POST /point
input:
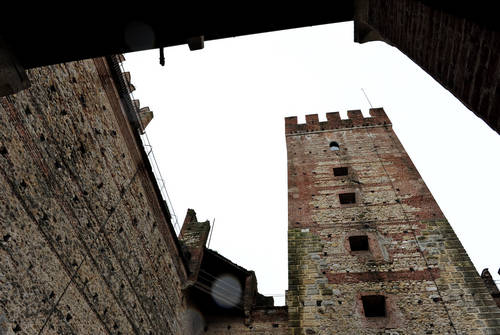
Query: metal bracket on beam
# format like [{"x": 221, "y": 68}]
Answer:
[
  {"x": 196, "y": 43},
  {"x": 13, "y": 78},
  {"x": 162, "y": 57}
]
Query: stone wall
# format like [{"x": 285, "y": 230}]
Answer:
[
  {"x": 414, "y": 259},
  {"x": 85, "y": 244},
  {"x": 462, "y": 55}
]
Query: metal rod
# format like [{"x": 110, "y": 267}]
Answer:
[
  {"x": 366, "y": 97},
  {"x": 211, "y": 231},
  {"x": 156, "y": 169}
]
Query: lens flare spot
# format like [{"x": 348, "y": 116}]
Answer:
[
  {"x": 194, "y": 323},
  {"x": 139, "y": 36},
  {"x": 226, "y": 291}
]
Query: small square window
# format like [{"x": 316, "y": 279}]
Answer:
[
  {"x": 340, "y": 171},
  {"x": 358, "y": 243},
  {"x": 374, "y": 305},
  {"x": 347, "y": 198}
]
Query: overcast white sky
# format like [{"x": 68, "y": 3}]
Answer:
[{"x": 218, "y": 135}]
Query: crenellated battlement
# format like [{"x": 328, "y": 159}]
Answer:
[
  {"x": 355, "y": 119},
  {"x": 144, "y": 114}
]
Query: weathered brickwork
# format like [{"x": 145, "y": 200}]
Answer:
[
  {"x": 194, "y": 236},
  {"x": 85, "y": 246},
  {"x": 412, "y": 258},
  {"x": 491, "y": 286},
  {"x": 460, "y": 54},
  {"x": 268, "y": 321}
]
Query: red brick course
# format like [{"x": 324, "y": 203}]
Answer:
[{"x": 346, "y": 278}]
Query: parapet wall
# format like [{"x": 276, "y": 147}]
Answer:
[
  {"x": 355, "y": 119},
  {"x": 272, "y": 320}
]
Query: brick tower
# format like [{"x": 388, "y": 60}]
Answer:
[{"x": 370, "y": 252}]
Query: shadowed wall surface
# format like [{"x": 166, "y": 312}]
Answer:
[
  {"x": 85, "y": 246},
  {"x": 461, "y": 52}
]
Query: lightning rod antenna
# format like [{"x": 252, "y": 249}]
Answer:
[{"x": 366, "y": 97}]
